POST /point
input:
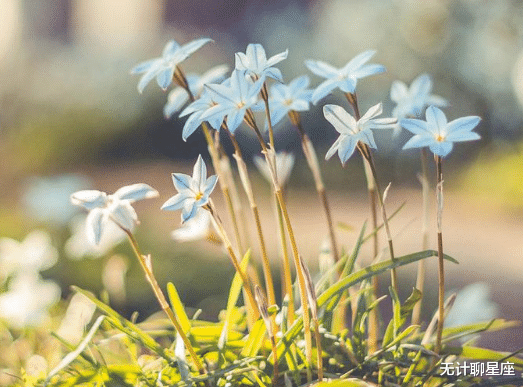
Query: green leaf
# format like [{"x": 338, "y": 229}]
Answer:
[
  {"x": 409, "y": 304},
  {"x": 127, "y": 327},
  {"x": 255, "y": 339},
  {"x": 69, "y": 358},
  {"x": 178, "y": 307},
  {"x": 351, "y": 280},
  {"x": 477, "y": 353}
]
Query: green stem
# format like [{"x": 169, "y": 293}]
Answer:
[
  {"x": 425, "y": 190},
  {"x": 287, "y": 276},
  {"x": 296, "y": 255},
  {"x": 441, "y": 271},
  {"x": 244, "y": 175},
  {"x": 147, "y": 268},
  {"x": 314, "y": 166}
]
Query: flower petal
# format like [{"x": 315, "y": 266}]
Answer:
[
  {"x": 175, "y": 101},
  {"x": 177, "y": 201},
  {"x": 181, "y": 181},
  {"x": 415, "y": 126},
  {"x": 462, "y": 136},
  {"x": 189, "y": 211},
  {"x": 199, "y": 175},
  {"x": 148, "y": 76},
  {"x": 94, "y": 225},
  {"x": 273, "y": 73},
  {"x": 358, "y": 61},
  {"x": 321, "y": 69},
  {"x": 123, "y": 214},
  {"x": 192, "y": 123},
  {"x": 421, "y": 86},
  {"x": 398, "y": 91},
  {"x": 463, "y": 124},
  {"x": 368, "y": 70},
  {"x": 195, "y": 45},
  {"x": 165, "y": 77},
  {"x": 89, "y": 199},
  {"x": 342, "y": 121},
  {"x": 323, "y": 90},
  {"x": 374, "y": 111},
  {"x": 299, "y": 83},
  {"x": 277, "y": 58},
  {"x": 436, "y": 120},
  {"x": 136, "y": 192},
  {"x": 235, "y": 119},
  {"x": 332, "y": 150},
  {"x": 210, "y": 183},
  {"x": 143, "y": 66},
  {"x": 419, "y": 141},
  {"x": 347, "y": 146},
  {"x": 441, "y": 148},
  {"x": 170, "y": 49}
]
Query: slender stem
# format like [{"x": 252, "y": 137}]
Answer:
[
  {"x": 314, "y": 166},
  {"x": 373, "y": 322},
  {"x": 287, "y": 276},
  {"x": 365, "y": 151},
  {"x": 244, "y": 175},
  {"x": 275, "y": 357},
  {"x": 441, "y": 271},
  {"x": 296, "y": 255},
  {"x": 265, "y": 96},
  {"x": 227, "y": 244},
  {"x": 147, "y": 268},
  {"x": 425, "y": 190},
  {"x": 319, "y": 351}
]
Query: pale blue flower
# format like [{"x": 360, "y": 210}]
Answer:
[
  {"x": 195, "y": 228},
  {"x": 178, "y": 96},
  {"x": 163, "y": 68},
  {"x": 292, "y": 97},
  {"x": 344, "y": 78},
  {"x": 438, "y": 134},
  {"x": 193, "y": 192},
  {"x": 412, "y": 101},
  {"x": 195, "y": 111},
  {"x": 116, "y": 207},
  {"x": 256, "y": 65},
  {"x": 352, "y": 131},
  {"x": 232, "y": 99}
]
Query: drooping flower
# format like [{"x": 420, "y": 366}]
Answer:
[
  {"x": 293, "y": 97},
  {"x": 232, "y": 99},
  {"x": 195, "y": 228},
  {"x": 178, "y": 96},
  {"x": 352, "y": 131},
  {"x": 116, "y": 207},
  {"x": 163, "y": 68},
  {"x": 284, "y": 164},
  {"x": 256, "y": 65},
  {"x": 193, "y": 192},
  {"x": 344, "y": 78},
  {"x": 28, "y": 299},
  {"x": 34, "y": 254},
  {"x": 438, "y": 134}
]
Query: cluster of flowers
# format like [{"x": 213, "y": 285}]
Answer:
[{"x": 215, "y": 100}]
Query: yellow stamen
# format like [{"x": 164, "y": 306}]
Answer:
[
  {"x": 199, "y": 195},
  {"x": 440, "y": 138}
]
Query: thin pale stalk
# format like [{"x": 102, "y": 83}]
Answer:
[
  {"x": 425, "y": 191},
  {"x": 244, "y": 175},
  {"x": 265, "y": 96},
  {"x": 251, "y": 302},
  {"x": 287, "y": 276},
  {"x": 295, "y": 253},
  {"x": 441, "y": 271},
  {"x": 314, "y": 166},
  {"x": 373, "y": 322},
  {"x": 365, "y": 151},
  {"x": 149, "y": 275}
]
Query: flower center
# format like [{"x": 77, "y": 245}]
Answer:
[
  {"x": 440, "y": 138},
  {"x": 240, "y": 105},
  {"x": 287, "y": 102},
  {"x": 199, "y": 195}
]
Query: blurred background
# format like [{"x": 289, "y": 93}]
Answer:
[{"x": 71, "y": 118}]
